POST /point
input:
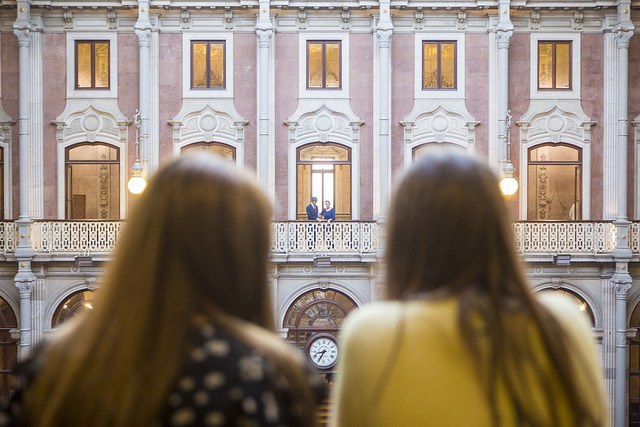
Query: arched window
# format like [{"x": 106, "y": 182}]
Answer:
[
  {"x": 634, "y": 370},
  {"x": 92, "y": 181},
  {"x": 554, "y": 182},
  {"x": 316, "y": 311},
  {"x": 324, "y": 171},
  {"x": 223, "y": 150},
  {"x": 423, "y": 149},
  {"x": 8, "y": 348},
  {"x": 77, "y": 303},
  {"x": 580, "y": 302}
]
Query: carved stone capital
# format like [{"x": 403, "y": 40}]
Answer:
[
  {"x": 623, "y": 37},
  {"x": 384, "y": 38},
  {"x": 144, "y": 37},
  {"x": 23, "y": 35},
  {"x": 503, "y": 38},
  {"x": 264, "y": 38}
]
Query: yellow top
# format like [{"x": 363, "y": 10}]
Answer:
[{"x": 405, "y": 364}]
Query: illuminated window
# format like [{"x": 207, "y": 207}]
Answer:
[
  {"x": 223, "y": 150},
  {"x": 324, "y": 171},
  {"x": 208, "y": 65},
  {"x": 316, "y": 311},
  {"x": 634, "y": 370},
  {"x": 76, "y": 304},
  {"x": 554, "y": 65},
  {"x": 323, "y": 65},
  {"x": 439, "y": 65},
  {"x": 554, "y": 182},
  {"x": 92, "y": 181},
  {"x": 92, "y": 64}
]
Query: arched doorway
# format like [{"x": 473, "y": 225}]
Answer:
[
  {"x": 75, "y": 304},
  {"x": 634, "y": 370},
  {"x": 8, "y": 348},
  {"x": 319, "y": 311}
]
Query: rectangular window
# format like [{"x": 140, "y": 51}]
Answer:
[
  {"x": 92, "y": 64},
  {"x": 323, "y": 65},
  {"x": 439, "y": 65},
  {"x": 208, "y": 65},
  {"x": 554, "y": 65}
]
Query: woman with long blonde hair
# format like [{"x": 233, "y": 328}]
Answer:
[
  {"x": 463, "y": 342},
  {"x": 178, "y": 335}
]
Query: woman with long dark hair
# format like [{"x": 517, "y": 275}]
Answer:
[
  {"x": 179, "y": 334},
  {"x": 462, "y": 341}
]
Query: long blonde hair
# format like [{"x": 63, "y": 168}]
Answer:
[
  {"x": 450, "y": 233},
  {"x": 197, "y": 244}
]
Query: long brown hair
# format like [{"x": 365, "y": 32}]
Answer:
[
  {"x": 197, "y": 244},
  {"x": 450, "y": 234}
]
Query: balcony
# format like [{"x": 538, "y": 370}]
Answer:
[{"x": 347, "y": 241}]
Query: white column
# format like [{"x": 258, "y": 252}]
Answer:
[
  {"x": 504, "y": 31},
  {"x": 24, "y": 278},
  {"x": 264, "y": 33},
  {"x": 143, "y": 31},
  {"x": 384, "y": 32},
  {"x": 622, "y": 252}
]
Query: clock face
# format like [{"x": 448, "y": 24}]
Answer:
[{"x": 323, "y": 351}]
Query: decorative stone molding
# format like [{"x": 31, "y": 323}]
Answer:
[
  {"x": 433, "y": 122},
  {"x": 200, "y": 121},
  {"x": 90, "y": 121},
  {"x": 534, "y": 20},
  {"x": 322, "y": 125},
  {"x": 555, "y": 124}
]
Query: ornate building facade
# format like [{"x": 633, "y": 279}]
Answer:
[{"x": 329, "y": 99}]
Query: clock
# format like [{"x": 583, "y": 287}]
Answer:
[{"x": 322, "y": 350}]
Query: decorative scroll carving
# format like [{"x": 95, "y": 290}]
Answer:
[
  {"x": 324, "y": 125},
  {"x": 534, "y": 21}
]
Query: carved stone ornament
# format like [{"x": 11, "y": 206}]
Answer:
[
  {"x": 324, "y": 125},
  {"x": 441, "y": 124},
  {"x": 207, "y": 124},
  {"x": 91, "y": 123}
]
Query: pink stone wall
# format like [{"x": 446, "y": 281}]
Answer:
[
  {"x": 11, "y": 105},
  {"x": 519, "y": 95},
  {"x": 54, "y": 62},
  {"x": 170, "y": 82},
  {"x": 477, "y": 87},
  {"x": 402, "y": 91},
  {"x": 634, "y": 111},
  {"x": 361, "y": 93},
  {"x": 245, "y": 92},
  {"x": 128, "y": 94},
  {"x": 592, "y": 82},
  {"x": 286, "y": 94}
]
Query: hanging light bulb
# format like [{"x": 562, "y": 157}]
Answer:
[{"x": 137, "y": 183}]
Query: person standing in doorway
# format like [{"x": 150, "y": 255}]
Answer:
[
  {"x": 328, "y": 213},
  {"x": 312, "y": 210}
]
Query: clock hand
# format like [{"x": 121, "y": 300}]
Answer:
[{"x": 320, "y": 354}]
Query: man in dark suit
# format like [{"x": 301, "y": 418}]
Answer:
[
  {"x": 312, "y": 210},
  {"x": 312, "y": 215}
]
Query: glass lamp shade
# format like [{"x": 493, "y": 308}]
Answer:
[
  {"x": 137, "y": 183},
  {"x": 508, "y": 185}
]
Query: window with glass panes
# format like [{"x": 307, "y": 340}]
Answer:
[
  {"x": 439, "y": 65},
  {"x": 92, "y": 64},
  {"x": 208, "y": 64},
  {"x": 92, "y": 181},
  {"x": 323, "y": 65},
  {"x": 554, "y": 65},
  {"x": 324, "y": 171},
  {"x": 554, "y": 184}
]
